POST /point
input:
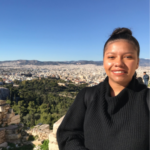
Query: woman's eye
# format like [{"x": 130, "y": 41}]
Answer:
[
  {"x": 128, "y": 56},
  {"x": 110, "y": 57}
]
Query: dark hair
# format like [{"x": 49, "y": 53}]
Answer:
[
  {"x": 123, "y": 33},
  {"x": 135, "y": 74},
  {"x": 144, "y": 72}
]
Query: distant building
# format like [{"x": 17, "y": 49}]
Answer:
[
  {"x": 29, "y": 79},
  {"x": 15, "y": 85},
  {"x": 27, "y": 75},
  {"x": 61, "y": 84},
  {"x": 8, "y": 82}
]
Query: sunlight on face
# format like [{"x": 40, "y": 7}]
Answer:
[{"x": 120, "y": 61}]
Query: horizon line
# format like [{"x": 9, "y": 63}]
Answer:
[{"x": 56, "y": 60}]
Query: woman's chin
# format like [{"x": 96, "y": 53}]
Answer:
[{"x": 119, "y": 80}]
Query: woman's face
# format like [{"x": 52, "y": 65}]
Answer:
[{"x": 120, "y": 61}]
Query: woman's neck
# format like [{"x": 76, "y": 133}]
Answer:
[{"x": 116, "y": 88}]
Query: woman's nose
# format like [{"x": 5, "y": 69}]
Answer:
[{"x": 118, "y": 62}]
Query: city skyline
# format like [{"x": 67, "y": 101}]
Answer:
[{"x": 68, "y": 30}]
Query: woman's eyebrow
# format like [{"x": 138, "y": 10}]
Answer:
[{"x": 124, "y": 53}]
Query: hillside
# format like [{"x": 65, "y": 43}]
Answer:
[
  {"x": 42, "y": 101},
  {"x": 143, "y": 62}
]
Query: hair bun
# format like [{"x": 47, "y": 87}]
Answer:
[{"x": 118, "y": 31}]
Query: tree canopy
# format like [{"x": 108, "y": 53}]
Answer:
[{"x": 42, "y": 101}]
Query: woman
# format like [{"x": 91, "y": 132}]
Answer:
[
  {"x": 140, "y": 80},
  {"x": 117, "y": 116}
]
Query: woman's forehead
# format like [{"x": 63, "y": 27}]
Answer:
[{"x": 118, "y": 46}]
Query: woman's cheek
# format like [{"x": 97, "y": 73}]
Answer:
[
  {"x": 108, "y": 65},
  {"x": 131, "y": 66}
]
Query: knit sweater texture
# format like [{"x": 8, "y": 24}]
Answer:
[{"x": 107, "y": 123}]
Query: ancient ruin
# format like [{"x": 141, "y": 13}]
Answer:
[
  {"x": 11, "y": 130},
  {"x": 10, "y": 126},
  {"x": 42, "y": 131},
  {"x": 53, "y": 145}
]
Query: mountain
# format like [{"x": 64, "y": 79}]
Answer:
[{"x": 143, "y": 62}]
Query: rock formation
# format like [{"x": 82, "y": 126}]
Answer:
[
  {"x": 7, "y": 116},
  {"x": 53, "y": 145},
  {"x": 11, "y": 130},
  {"x": 42, "y": 131}
]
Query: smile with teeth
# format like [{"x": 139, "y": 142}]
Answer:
[{"x": 118, "y": 71}]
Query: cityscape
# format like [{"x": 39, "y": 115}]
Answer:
[
  {"x": 35, "y": 99},
  {"x": 78, "y": 74}
]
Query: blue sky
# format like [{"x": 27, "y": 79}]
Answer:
[{"x": 65, "y": 30}]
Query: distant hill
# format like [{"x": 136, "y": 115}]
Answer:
[{"x": 143, "y": 62}]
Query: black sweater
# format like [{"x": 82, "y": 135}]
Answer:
[{"x": 107, "y": 123}]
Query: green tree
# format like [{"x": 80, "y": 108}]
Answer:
[
  {"x": 15, "y": 107},
  {"x": 45, "y": 108},
  {"x": 22, "y": 109},
  {"x": 32, "y": 110},
  {"x": 27, "y": 120},
  {"x": 8, "y": 101},
  {"x": 45, "y": 118}
]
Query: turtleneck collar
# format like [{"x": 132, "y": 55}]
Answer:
[
  {"x": 115, "y": 103},
  {"x": 133, "y": 85}
]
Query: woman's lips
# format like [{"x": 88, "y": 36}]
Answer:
[{"x": 119, "y": 72}]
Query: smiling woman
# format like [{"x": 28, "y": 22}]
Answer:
[
  {"x": 121, "y": 59},
  {"x": 114, "y": 114}
]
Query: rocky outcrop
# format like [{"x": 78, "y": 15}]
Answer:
[
  {"x": 53, "y": 145},
  {"x": 13, "y": 134},
  {"x": 2, "y": 135},
  {"x": 5, "y": 144},
  {"x": 4, "y": 93},
  {"x": 11, "y": 130},
  {"x": 42, "y": 131},
  {"x": 7, "y": 116}
]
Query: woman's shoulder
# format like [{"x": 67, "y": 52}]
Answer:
[
  {"x": 140, "y": 86},
  {"x": 90, "y": 93},
  {"x": 95, "y": 87},
  {"x": 148, "y": 98}
]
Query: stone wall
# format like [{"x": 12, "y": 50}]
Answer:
[
  {"x": 11, "y": 130},
  {"x": 13, "y": 134},
  {"x": 53, "y": 145},
  {"x": 42, "y": 131},
  {"x": 7, "y": 116},
  {"x": 2, "y": 135}
]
